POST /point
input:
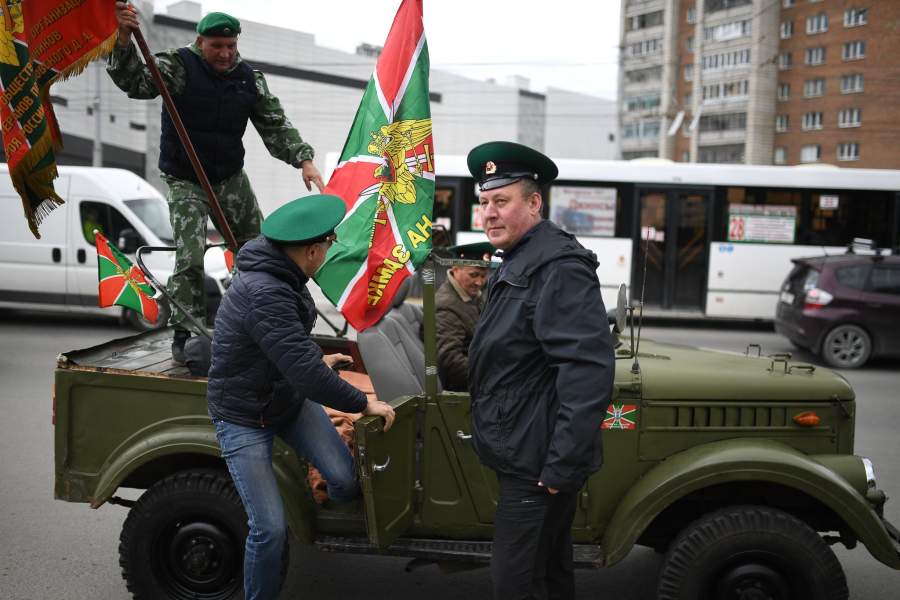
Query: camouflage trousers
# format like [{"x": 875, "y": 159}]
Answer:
[{"x": 188, "y": 211}]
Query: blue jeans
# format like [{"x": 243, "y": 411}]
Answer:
[{"x": 248, "y": 453}]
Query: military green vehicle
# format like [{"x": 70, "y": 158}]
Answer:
[{"x": 739, "y": 467}]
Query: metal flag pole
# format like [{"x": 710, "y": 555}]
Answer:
[{"x": 221, "y": 222}]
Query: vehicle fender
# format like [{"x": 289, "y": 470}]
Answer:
[
  {"x": 194, "y": 436},
  {"x": 743, "y": 460}
]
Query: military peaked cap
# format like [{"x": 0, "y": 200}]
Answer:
[
  {"x": 479, "y": 251},
  {"x": 306, "y": 220},
  {"x": 497, "y": 164},
  {"x": 219, "y": 24}
]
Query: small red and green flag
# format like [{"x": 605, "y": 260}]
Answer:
[
  {"x": 122, "y": 283},
  {"x": 620, "y": 416},
  {"x": 386, "y": 177},
  {"x": 42, "y": 42}
]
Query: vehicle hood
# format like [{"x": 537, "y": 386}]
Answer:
[{"x": 674, "y": 372}]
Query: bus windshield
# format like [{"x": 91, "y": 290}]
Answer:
[{"x": 155, "y": 215}]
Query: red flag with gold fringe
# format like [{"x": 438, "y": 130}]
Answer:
[{"x": 42, "y": 42}]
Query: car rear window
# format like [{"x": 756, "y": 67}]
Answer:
[
  {"x": 853, "y": 276},
  {"x": 886, "y": 279}
]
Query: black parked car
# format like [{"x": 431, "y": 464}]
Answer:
[{"x": 845, "y": 308}]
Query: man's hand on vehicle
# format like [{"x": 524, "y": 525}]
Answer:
[
  {"x": 336, "y": 359},
  {"x": 311, "y": 175},
  {"x": 127, "y": 17},
  {"x": 377, "y": 408}
]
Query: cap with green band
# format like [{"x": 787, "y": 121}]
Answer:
[
  {"x": 306, "y": 220},
  {"x": 219, "y": 24}
]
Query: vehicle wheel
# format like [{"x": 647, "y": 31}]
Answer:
[
  {"x": 136, "y": 321},
  {"x": 184, "y": 539},
  {"x": 750, "y": 553},
  {"x": 847, "y": 347}
]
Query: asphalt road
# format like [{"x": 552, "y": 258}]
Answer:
[{"x": 54, "y": 550}]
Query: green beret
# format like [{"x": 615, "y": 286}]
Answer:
[
  {"x": 218, "y": 24},
  {"x": 306, "y": 220},
  {"x": 497, "y": 164}
]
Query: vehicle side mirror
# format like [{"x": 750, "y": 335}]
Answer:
[{"x": 129, "y": 240}]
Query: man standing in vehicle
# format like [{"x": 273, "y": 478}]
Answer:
[
  {"x": 216, "y": 94},
  {"x": 458, "y": 304},
  {"x": 541, "y": 369},
  {"x": 268, "y": 378}
]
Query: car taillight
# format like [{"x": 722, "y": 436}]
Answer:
[{"x": 817, "y": 298}]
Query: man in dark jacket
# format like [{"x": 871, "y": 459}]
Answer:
[
  {"x": 216, "y": 94},
  {"x": 541, "y": 369},
  {"x": 458, "y": 304},
  {"x": 269, "y": 378}
]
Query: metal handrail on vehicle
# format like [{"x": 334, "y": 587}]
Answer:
[{"x": 161, "y": 289}]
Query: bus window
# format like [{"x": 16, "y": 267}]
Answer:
[
  {"x": 584, "y": 210},
  {"x": 762, "y": 216},
  {"x": 443, "y": 207},
  {"x": 835, "y": 218}
]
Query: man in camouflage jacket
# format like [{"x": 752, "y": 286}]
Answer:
[{"x": 216, "y": 94}]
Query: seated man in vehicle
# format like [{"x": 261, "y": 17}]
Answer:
[
  {"x": 458, "y": 304},
  {"x": 268, "y": 378}
]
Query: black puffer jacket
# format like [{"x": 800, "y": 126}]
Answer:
[
  {"x": 541, "y": 363},
  {"x": 264, "y": 363}
]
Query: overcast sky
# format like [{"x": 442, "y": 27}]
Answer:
[{"x": 570, "y": 44}]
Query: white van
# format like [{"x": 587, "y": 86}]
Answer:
[{"x": 59, "y": 270}]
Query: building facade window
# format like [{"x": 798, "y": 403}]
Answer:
[
  {"x": 854, "y": 50},
  {"x": 726, "y": 60},
  {"x": 641, "y": 130},
  {"x": 780, "y": 157},
  {"x": 644, "y": 75},
  {"x": 850, "y": 117},
  {"x": 815, "y": 56},
  {"x": 726, "y": 90},
  {"x": 788, "y": 3},
  {"x": 691, "y": 15},
  {"x": 727, "y": 31},
  {"x": 716, "y": 5},
  {"x": 785, "y": 61},
  {"x": 730, "y": 154},
  {"x": 854, "y": 17},
  {"x": 851, "y": 84},
  {"x": 689, "y": 72},
  {"x": 848, "y": 151},
  {"x": 688, "y": 99},
  {"x": 812, "y": 120},
  {"x": 784, "y": 91},
  {"x": 689, "y": 44},
  {"x": 813, "y": 88},
  {"x": 724, "y": 122},
  {"x": 811, "y": 153},
  {"x": 782, "y": 122},
  {"x": 639, "y": 103},
  {"x": 644, "y": 21},
  {"x": 786, "y": 29},
  {"x": 646, "y": 47},
  {"x": 817, "y": 23}
]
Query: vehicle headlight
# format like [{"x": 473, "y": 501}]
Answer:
[{"x": 870, "y": 473}]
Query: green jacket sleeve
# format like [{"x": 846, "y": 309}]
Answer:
[
  {"x": 133, "y": 77},
  {"x": 277, "y": 132}
]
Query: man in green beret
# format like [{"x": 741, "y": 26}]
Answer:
[
  {"x": 268, "y": 378},
  {"x": 458, "y": 304},
  {"x": 216, "y": 94},
  {"x": 541, "y": 369}
]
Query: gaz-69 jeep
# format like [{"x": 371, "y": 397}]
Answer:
[{"x": 740, "y": 468}]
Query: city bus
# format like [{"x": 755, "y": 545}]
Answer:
[{"x": 718, "y": 238}]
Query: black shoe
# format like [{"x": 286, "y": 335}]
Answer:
[{"x": 178, "y": 342}]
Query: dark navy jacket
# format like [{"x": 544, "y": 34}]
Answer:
[
  {"x": 541, "y": 363},
  {"x": 215, "y": 109},
  {"x": 264, "y": 363}
]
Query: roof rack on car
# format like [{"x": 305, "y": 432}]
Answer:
[{"x": 864, "y": 244}]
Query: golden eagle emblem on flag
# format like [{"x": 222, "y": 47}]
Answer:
[{"x": 393, "y": 142}]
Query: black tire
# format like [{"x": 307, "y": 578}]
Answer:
[
  {"x": 750, "y": 552},
  {"x": 184, "y": 539},
  {"x": 139, "y": 323},
  {"x": 847, "y": 347}
]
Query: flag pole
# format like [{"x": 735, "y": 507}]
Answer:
[{"x": 221, "y": 222}]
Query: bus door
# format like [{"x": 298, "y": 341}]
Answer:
[{"x": 674, "y": 232}]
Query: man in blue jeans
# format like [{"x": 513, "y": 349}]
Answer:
[{"x": 269, "y": 378}]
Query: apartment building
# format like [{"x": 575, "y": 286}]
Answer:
[{"x": 761, "y": 81}]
